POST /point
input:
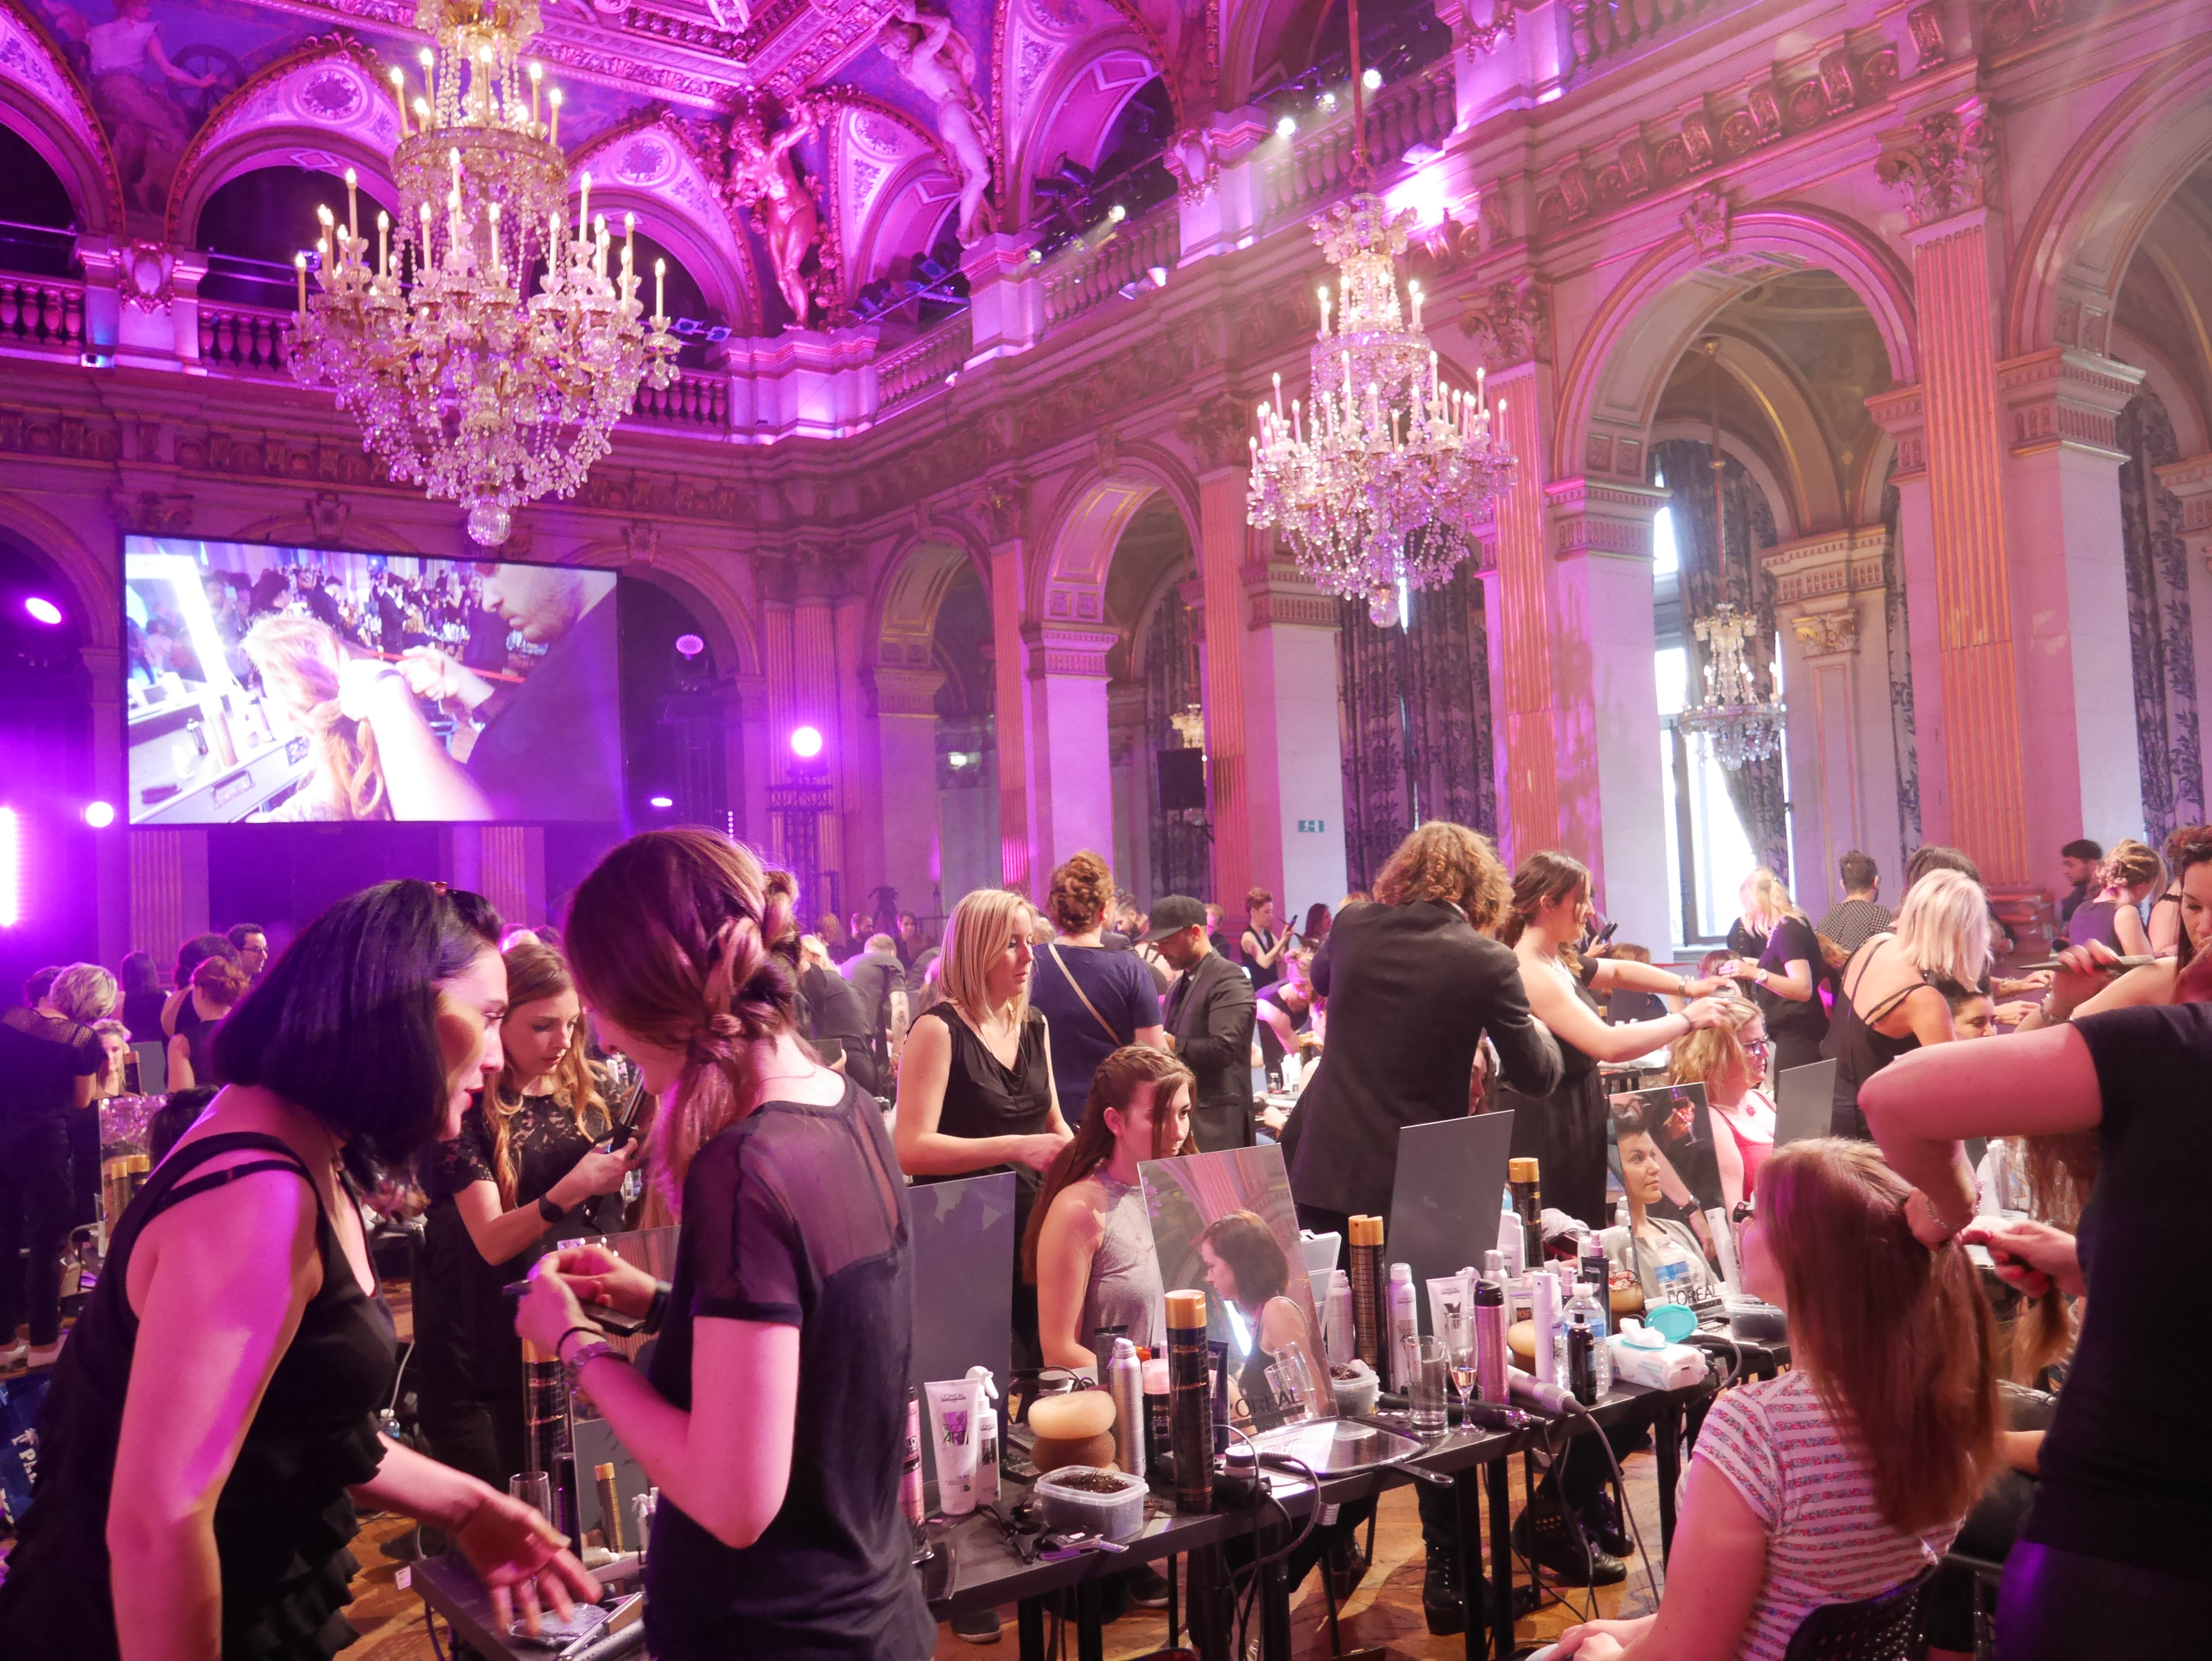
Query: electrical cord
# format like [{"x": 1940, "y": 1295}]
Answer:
[
  {"x": 1554, "y": 1459},
  {"x": 1635, "y": 1529},
  {"x": 1248, "y": 1596},
  {"x": 430, "y": 1626}
]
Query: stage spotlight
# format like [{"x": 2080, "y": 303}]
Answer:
[
  {"x": 99, "y": 814},
  {"x": 661, "y": 801},
  {"x": 11, "y": 868},
  {"x": 1287, "y": 127},
  {"x": 1371, "y": 79},
  {"x": 43, "y": 610},
  {"x": 691, "y": 645},
  {"x": 806, "y": 742}
]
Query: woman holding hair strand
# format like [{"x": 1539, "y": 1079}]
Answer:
[
  {"x": 212, "y": 1420},
  {"x": 774, "y": 1410}
]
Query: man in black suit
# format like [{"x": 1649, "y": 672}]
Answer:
[{"x": 1209, "y": 1018}]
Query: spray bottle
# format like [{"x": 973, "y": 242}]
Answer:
[{"x": 1405, "y": 1327}]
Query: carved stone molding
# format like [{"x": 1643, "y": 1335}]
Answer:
[
  {"x": 640, "y": 540},
  {"x": 1507, "y": 322},
  {"x": 1842, "y": 564},
  {"x": 1276, "y": 592},
  {"x": 1218, "y": 431},
  {"x": 2191, "y": 480},
  {"x": 153, "y": 513},
  {"x": 2064, "y": 396},
  {"x": 1460, "y": 16},
  {"x": 1600, "y": 516},
  {"x": 1927, "y": 28},
  {"x": 1828, "y": 634},
  {"x": 326, "y": 512},
  {"x": 1902, "y": 413},
  {"x": 1943, "y": 164},
  {"x": 1056, "y": 649},
  {"x": 1074, "y": 602},
  {"x": 902, "y": 691},
  {"x": 1002, "y": 505},
  {"x": 1705, "y": 217}
]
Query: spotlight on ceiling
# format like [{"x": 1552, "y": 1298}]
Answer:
[
  {"x": 1159, "y": 275},
  {"x": 806, "y": 742},
  {"x": 99, "y": 814},
  {"x": 1287, "y": 127},
  {"x": 43, "y": 610},
  {"x": 661, "y": 801},
  {"x": 1371, "y": 79},
  {"x": 1328, "y": 103},
  {"x": 691, "y": 645},
  {"x": 1117, "y": 213}
]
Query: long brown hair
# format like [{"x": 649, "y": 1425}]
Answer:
[
  {"x": 1442, "y": 860},
  {"x": 682, "y": 938},
  {"x": 1545, "y": 878},
  {"x": 1896, "y": 1338},
  {"x": 536, "y": 972},
  {"x": 298, "y": 659},
  {"x": 1114, "y": 1085}
]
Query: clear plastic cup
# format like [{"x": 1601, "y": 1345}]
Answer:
[
  {"x": 534, "y": 1488},
  {"x": 1425, "y": 1400}
]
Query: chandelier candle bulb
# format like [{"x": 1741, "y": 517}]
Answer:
[
  {"x": 536, "y": 77},
  {"x": 399, "y": 78},
  {"x": 429, "y": 63},
  {"x": 383, "y": 244},
  {"x": 660, "y": 281},
  {"x": 584, "y": 208},
  {"x": 300, "y": 265}
]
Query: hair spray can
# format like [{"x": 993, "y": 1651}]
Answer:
[
  {"x": 1521, "y": 1177},
  {"x": 1490, "y": 1360},
  {"x": 910, "y": 1493},
  {"x": 1405, "y": 1326},
  {"x": 1544, "y": 1316},
  {"x": 1337, "y": 1321},
  {"x": 1190, "y": 1402},
  {"x": 1367, "y": 1313},
  {"x": 1125, "y": 1382}
]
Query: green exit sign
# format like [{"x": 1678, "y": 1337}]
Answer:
[{"x": 1312, "y": 827}]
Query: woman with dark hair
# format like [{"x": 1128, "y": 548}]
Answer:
[
  {"x": 1316, "y": 926},
  {"x": 523, "y": 1174},
  {"x": 212, "y": 1421},
  {"x": 217, "y": 985},
  {"x": 1094, "y": 1001},
  {"x": 184, "y": 1011},
  {"x": 1848, "y": 1475},
  {"x": 1565, "y": 1128},
  {"x": 1250, "y": 1272},
  {"x": 143, "y": 997},
  {"x": 1088, "y": 1248},
  {"x": 774, "y": 1412}
]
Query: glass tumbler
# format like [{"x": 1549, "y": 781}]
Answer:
[{"x": 1425, "y": 1400}]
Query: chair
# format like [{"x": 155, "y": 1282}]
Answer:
[{"x": 1884, "y": 1629}]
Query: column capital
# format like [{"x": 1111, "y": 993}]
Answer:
[
  {"x": 1943, "y": 162},
  {"x": 1002, "y": 503},
  {"x": 1277, "y": 592},
  {"x": 1509, "y": 322},
  {"x": 1830, "y": 632},
  {"x": 2191, "y": 480},
  {"x": 1059, "y": 649},
  {"x": 1219, "y": 431},
  {"x": 903, "y": 688},
  {"x": 1836, "y": 562},
  {"x": 2066, "y": 398},
  {"x": 1601, "y": 516},
  {"x": 1902, "y": 412}
]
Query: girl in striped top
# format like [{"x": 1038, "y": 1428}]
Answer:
[{"x": 1848, "y": 1476}]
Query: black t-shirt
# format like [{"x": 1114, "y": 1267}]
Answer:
[
  {"x": 2126, "y": 1470},
  {"x": 41, "y": 1058},
  {"x": 795, "y": 1216},
  {"x": 1794, "y": 941}
]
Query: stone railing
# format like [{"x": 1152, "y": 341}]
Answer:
[
  {"x": 693, "y": 399},
  {"x": 1317, "y": 166},
  {"x": 1085, "y": 276},
  {"x": 244, "y": 339},
  {"x": 923, "y": 362},
  {"x": 41, "y": 313},
  {"x": 1602, "y": 32}
]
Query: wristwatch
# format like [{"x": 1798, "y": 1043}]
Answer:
[{"x": 574, "y": 1364}]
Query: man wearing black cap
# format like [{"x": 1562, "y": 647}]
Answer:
[{"x": 1209, "y": 1017}]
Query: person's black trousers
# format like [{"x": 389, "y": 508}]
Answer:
[
  {"x": 2059, "y": 1605},
  {"x": 479, "y": 1432},
  {"x": 34, "y": 1214},
  {"x": 84, "y": 1166}
]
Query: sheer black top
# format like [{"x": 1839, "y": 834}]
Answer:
[
  {"x": 796, "y": 1216},
  {"x": 283, "y": 1519}
]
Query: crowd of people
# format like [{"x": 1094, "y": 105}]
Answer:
[{"x": 792, "y": 1086}]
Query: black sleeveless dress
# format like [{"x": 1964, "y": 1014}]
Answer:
[
  {"x": 1566, "y": 1132},
  {"x": 1263, "y": 974},
  {"x": 983, "y": 1097},
  {"x": 1861, "y": 1052},
  {"x": 283, "y": 1520}
]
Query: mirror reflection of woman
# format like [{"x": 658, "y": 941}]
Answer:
[
  {"x": 1250, "y": 1272},
  {"x": 1642, "y": 1168}
]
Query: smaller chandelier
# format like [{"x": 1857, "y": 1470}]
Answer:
[
  {"x": 1384, "y": 480},
  {"x": 1738, "y": 725},
  {"x": 461, "y": 384}
]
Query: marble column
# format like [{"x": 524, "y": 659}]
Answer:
[
  {"x": 1070, "y": 769},
  {"x": 1130, "y": 745},
  {"x": 110, "y": 852},
  {"x": 1903, "y": 414},
  {"x": 853, "y": 751},
  {"x": 1517, "y": 609},
  {"x": 1828, "y": 594},
  {"x": 1011, "y": 702},
  {"x": 905, "y": 700},
  {"x": 1224, "y": 539},
  {"x": 1607, "y": 733},
  {"x": 168, "y": 889},
  {"x": 1294, "y": 753},
  {"x": 2077, "y": 701}
]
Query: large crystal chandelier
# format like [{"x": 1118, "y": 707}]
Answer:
[
  {"x": 1383, "y": 480},
  {"x": 1738, "y": 725},
  {"x": 464, "y": 382}
]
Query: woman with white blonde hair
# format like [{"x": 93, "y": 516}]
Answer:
[
  {"x": 1895, "y": 996},
  {"x": 1787, "y": 975},
  {"x": 974, "y": 1086}
]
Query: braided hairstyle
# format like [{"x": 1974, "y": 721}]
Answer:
[
  {"x": 681, "y": 938},
  {"x": 298, "y": 661}
]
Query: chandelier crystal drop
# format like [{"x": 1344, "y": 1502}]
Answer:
[
  {"x": 1386, "y": 476},
  {"x": 1734, "y": 721},
  {"x": 464, "y": 382}
]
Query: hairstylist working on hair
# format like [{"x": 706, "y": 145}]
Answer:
[
  {"x": 1089, "y": 1249},
  {"x": 2156, "y": 982},
  {"x": 779, "y": 1532},
  {"x": 1787, "y": 975},
  {"x": 214, "y": 1409},
  {"x": 2113, "y": 1559},
  {"x": 523, "y": 1172},
  {"x": 1848, "y": 1475},
  {"x": 1893, "y": 994},
  {"x": 1566, "y": 1130},
  {"x": 2125, "y": 879}
]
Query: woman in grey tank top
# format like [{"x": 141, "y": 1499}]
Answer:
[{"x": 1088, "y": 1248}]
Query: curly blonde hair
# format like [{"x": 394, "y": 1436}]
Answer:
[
  {"x": 298, "y": 659},
  {"x": 1441, "y": 860}
]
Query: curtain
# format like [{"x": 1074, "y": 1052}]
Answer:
[
  {"x": 2164, "y": 659},
  {"x": 1896, "y": 621},
  {"x": 1413, "y": 702},
  {"x": 1757, "y": 790},
  {"x": 1182, "y": 860}
]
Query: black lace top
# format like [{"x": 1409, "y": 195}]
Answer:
[
  {"x": 464, "y": 1327},
  {"x": 283, "y": 1518}
]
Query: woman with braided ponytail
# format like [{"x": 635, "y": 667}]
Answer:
[{"x": 779, "y": 1531}]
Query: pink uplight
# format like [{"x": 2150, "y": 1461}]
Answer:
[
  {"x": 43, "y": 610},
  {"x": 11, "y": 868},
  {"x": 806, "y": 742}
]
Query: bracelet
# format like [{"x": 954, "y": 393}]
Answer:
[
  {"x": 657, "y": 1311},
  {"x": 589, "y": 1332},
  {"x": 1681, "y": 986},
  {"x": 585, "y": 1355},
  {"x": 548, "y": 1210}
]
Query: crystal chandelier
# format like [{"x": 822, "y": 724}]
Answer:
[
  {"x": 1382, "y": 481},
  {"x": 463, "y": 383},
  {"x": 1735, "y": 722}
]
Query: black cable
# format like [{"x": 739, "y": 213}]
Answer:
[
  {"x": 430, "y": 1626},
  {"x": 1634, "y": 1530},
  {"x": 1556, "y": 1457}
]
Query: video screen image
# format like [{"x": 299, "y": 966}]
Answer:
[{"x": 299, "y": 684}]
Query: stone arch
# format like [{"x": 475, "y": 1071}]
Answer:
[
  {"x": 44, "y": 102},
  {"x": 1260, "y": 32},
  {"x": 1081, "y": 94},
  {"x": 889, "y": 184},
  {"x": 1805, "y": 485},
  {"x": 93, "y": 580},
  {"x": 325, "y": 107},
  {"x": 1069, "y": 584},
  {"x": 1610, "y": 388},
  {"x": 1790, "y": 523},
  {"x": 368, "y": 534},
  {"x": 651, "y": 168},
  {"x": 913, "y": 586},
  {"x": 703, "y": 586},
  {"x": 2074, "y": 249}
]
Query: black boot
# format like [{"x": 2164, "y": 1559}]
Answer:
[
  {"x": 1601, "y": 1520},
  {"x": 1443, "y": 1599},
  {"x": 1548, "y": 1535},
  {"x": 1345, "y": 1566}
]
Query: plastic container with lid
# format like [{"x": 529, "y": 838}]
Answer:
[{"x": 1097, "y": 1499}]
